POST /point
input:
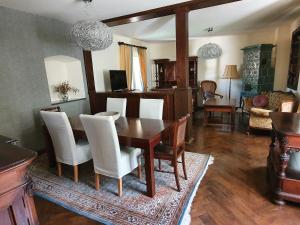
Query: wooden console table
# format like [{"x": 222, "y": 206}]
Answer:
[
  {"x": 16, "y": 201},
  {"x": 220, "y": 105},
  {"x": 285, "y": 139}
]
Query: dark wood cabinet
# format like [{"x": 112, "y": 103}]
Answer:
[
  {"x": 165, "y": 72},
  {"x": 16, "y": 200},
  {"x": 165, "y": 75},
  {"x": 170, "y": 72},
  {"x": 294, "y": 68},
  {"x": 284, "y": 181},
  {"x": 193, "y": 71}
]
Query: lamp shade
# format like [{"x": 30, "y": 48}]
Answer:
[{"x": 231, "y": 72}]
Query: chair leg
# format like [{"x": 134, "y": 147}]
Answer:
[
  {"x": 120, "y": 187},
  {"x": 176, "y": 174},
  {"x": 159, "y": 164},
  {"x": 75, "y": 173},
  {"x": 183, "y": 165},
  {"x": 139, "y": 171},
  {"x": 59, "y": 169},
  {"x": 97, "y": 181}
]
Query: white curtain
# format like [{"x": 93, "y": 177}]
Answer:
[{"x": 137, "y": 81}]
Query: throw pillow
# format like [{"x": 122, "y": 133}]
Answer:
[{"x": 260, "y": 101}]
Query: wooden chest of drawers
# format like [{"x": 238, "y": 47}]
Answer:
[{"x": 16, "y": 201}]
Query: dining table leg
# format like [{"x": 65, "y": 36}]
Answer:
[{"x": 149, "y": 170}]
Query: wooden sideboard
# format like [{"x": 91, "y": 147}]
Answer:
[
  {"x": 284, "y": 183},
  {"x": 133, "y": 102},
  {"x": 16, "y": 200}
]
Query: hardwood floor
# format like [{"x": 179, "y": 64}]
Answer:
[{"x": 234, "y": 190}]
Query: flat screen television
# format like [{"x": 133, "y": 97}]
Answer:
[{"x": 118, "y": 80}]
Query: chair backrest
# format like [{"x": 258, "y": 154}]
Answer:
[
  {"x": 116, "y": 105},
  {"x": 179, "y": 131},
  {"x": 62, "y": 136},
  {"x": 208, "y": 86},
  {"x": 104, "y": 143},
  {"x": 151, "y": 108}
]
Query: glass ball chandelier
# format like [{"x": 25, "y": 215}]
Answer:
[{"x": 92, "y": 35}]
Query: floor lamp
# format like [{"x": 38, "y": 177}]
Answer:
[{"x": 230, "y": 73}]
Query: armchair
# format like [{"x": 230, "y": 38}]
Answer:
[
  {"x": 278, "y": 101},
  {"x": 208, "y": 89}
]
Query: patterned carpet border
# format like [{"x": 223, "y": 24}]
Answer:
[{"x": 48, "y": 186}]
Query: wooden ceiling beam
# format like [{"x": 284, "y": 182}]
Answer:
[{"x": 164, "y": 11}]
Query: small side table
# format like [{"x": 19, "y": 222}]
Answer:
[{"x": 220, "y": 105}]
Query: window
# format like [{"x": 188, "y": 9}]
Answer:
[{"x": 137, "y": 82}]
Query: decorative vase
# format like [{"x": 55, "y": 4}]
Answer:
[{"x": 65, "y": 97}]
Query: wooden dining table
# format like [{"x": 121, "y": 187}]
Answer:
[{"x": 138, "y": 133}]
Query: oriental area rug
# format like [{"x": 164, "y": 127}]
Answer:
[{"x": 167, "y": 207}]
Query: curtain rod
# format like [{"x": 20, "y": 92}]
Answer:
[{"x": 123, "y": 43}]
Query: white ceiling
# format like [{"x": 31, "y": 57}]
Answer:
[
  {"x": 72, "y": 11},
  {"x": 230, "y": 18},
  {"x": 237, "y": 17}
]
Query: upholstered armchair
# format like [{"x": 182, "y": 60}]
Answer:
[
  {"x": 260, "y": 107},
  {"x": 208, "y": 89}
]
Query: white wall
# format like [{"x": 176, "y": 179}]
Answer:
[
  {"x": 62, "y": 68},
  {"x": 231, "y": 45},
  {"x": 109, "y": 59}
]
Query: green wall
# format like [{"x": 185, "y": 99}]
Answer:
[{"x": 25, "y": 40}]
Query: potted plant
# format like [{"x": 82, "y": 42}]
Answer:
[{"x": 64, "y": 88}]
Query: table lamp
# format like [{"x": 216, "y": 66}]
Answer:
[{"x": 230, "y": 73}]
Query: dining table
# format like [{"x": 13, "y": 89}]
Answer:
[{"x": 135, "y": 132}]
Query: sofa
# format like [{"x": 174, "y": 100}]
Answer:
[{"x": 275, "y": 101}]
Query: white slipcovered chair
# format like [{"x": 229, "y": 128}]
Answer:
[
  {"x": 116, "y": 105},
  {"x": 151, "y": 108},
  {"x": 109, "y": 158},
  {"x": 66, "y": 150}
]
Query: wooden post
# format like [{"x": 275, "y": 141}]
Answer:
[
  {"x": 182, "y": 47},
  {"x": 183, "y": 93},
  {"x": 88, "y": 63}
]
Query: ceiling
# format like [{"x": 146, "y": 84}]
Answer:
[
  {"x": 72, "y": 11},
  {"x": 237, "y": 17}
]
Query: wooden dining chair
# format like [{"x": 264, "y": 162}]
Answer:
[
  {"x": 109, "y": 158},
  {"x": 67, "y": 151},
  {"x": 174, "y": 150}
]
